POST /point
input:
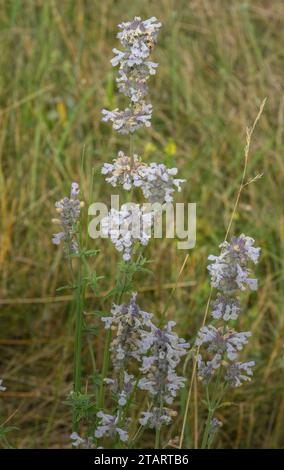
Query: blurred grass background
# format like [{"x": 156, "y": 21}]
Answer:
[{"x": 218, "y": 60}]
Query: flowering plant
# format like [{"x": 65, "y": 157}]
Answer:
[{"x": 142, "y": 354}]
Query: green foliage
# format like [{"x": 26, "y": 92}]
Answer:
[{"x": 82, "y": 405}]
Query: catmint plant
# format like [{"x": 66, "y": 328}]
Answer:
[
  {"x": 136, "y": 341},
  {"x": 141, "y": 356},
  {"x": 218, "y": 364}
]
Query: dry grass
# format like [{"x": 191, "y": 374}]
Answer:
[{"x": 218, "y": 60}]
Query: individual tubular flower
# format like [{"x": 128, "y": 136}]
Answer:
[
  {"x": 129, "y": 323},
  {"x": 222, "y": 342},
  {"x": 125, "y": 172},
  {"x": 165, "y": 351},
  {"x": 108, "y": 426},
  {"x": 239, "y": 372},
  {"x": 69, "y": 212},
  {"x": 229, "y": 270},
  {"x": 126, "y": 227},
  {"x": 214, "y": 427}
]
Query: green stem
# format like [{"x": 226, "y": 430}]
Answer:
[
  {"x": 104, "y": 369},
  {"x": 212, "y": 406},
  {"x": 158, "y": 430},
  {"x": 80, "y": 295},
  {"x": 78, "y": 345},
  {"x": 207, "y": 428},
  {"x": 131, "y": 145},
  {"x": 107, "y": 353},
  {"x": 157, "y": 438}
]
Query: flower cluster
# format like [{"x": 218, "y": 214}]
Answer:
[
  {"x": 82, "y": 442},
  {"x": 221, "y": 342},
  {"x": 156, "y": 180},
  {"x": 158, "y": 349},
  {"x": 125, "y": 172},
  {"x": 156, "y": 418},
  {"x": 160, "y": 184},
  {"x": 229, "y": 271},
  {"x": 230, "y": 274},
  {"x": 108, "y": 426},
  {"x": 137, "y": 38},
  {"x": 126, "y": 226},
  {"x": 123, "y": 392},
  {"x": 129, "y": 322},
  {"x": 130, "y": 119},
  {"x": 165, "y": 350},
  {"x": 69, "y": 212}
]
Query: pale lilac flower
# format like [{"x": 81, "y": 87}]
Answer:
[
  {"x": 159, "y": 183},
  {"x": 132, "y": 81},
  {"x": 215, "y": 425},
  {"x": 125, "y": 172},
  {"x": 123, "y": 393},
  {"x": 155, "y": 418},
  {"x": 69, "y": 212},
  {"x": 130, "y": 119},
  {"x": 229, "y": 274},
  {"x": 127, "y": 227},
  {"x": 129, "y": 322},
  {"x": 229, "y": 270},
  {"x": 225, "y": 307},
  {"x": 82, "y": 443},
  {"x": 137, "y": 32},
  {"x": 222, "y": 341},
  {"x": 165, "y": 351},
  {"x": 156, "y": 180},
  {"x": 206, "y": 369},
  {"x": 239, "y": 372},
  {"x": 138, "y": 38},
  {"x": 2, "y": 389},
  {"x": 109, "y": 427}
]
